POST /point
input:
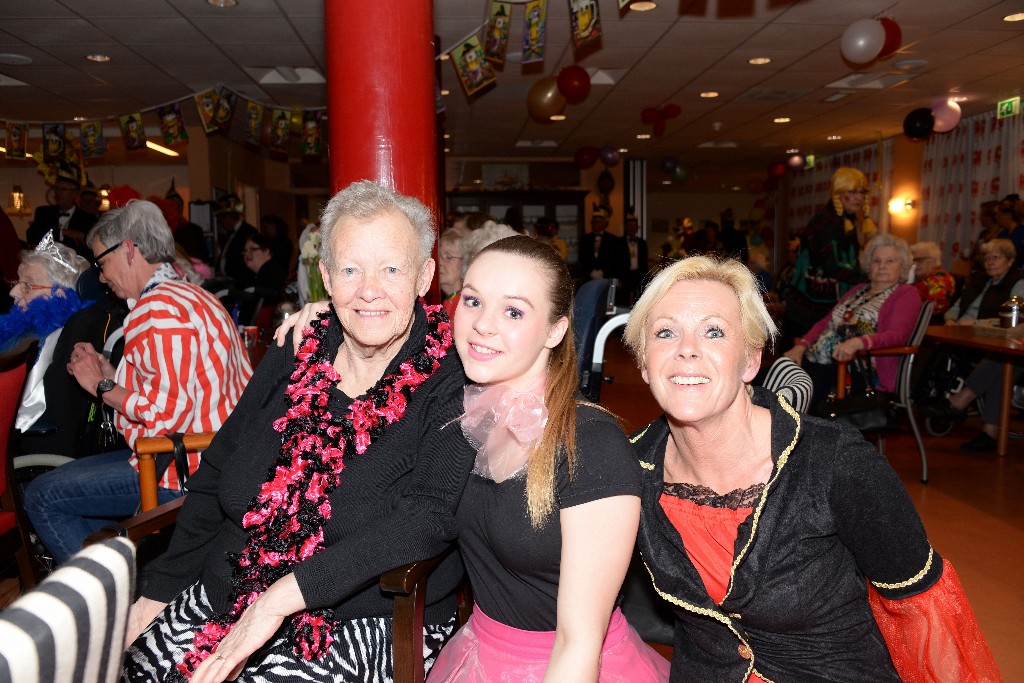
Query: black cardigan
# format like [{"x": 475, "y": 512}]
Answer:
[
  {"x": 395, "y": 504},
  {"x": 832, "y": 513}
]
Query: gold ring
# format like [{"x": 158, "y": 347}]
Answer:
[{"x": 220, "y": 657}]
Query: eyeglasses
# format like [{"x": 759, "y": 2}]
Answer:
[
  {"x": 449, "y": 257},
  {"x": 99, "y": 257},
  {"x": 252, "y": 250},
  {"x": 28, "y": 285}
]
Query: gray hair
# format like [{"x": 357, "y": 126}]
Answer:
[
  {"x": 454, "y": 236},
  {"x": 140, "y": 222},
  {"x": 365, "y": 200},
  {"x": 488, "y": 233},
  {"x": 58, "y": 273},
  {"x": 897, "y": 243},
  {"x": 926, "y": 250},
  {"x": 1001, "y": 246}
]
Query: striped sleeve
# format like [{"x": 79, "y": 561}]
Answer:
[
  {"x": 184, "y": 366},
  {"x": 790, "y": 381}
]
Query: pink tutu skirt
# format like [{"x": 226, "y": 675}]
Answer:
[{"x": 486, "y": 651}]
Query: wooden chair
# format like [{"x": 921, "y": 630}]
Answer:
[
  {"x": 13, "y": 537},
  {"x": 901, "y": 397},
  {"x": 407, "y": 584}
]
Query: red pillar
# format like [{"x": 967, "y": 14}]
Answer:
[{"x": 380, "y": 95}]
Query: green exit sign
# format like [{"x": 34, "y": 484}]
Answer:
[{"x": 1010, "y": 107}]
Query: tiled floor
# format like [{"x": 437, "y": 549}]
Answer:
[{"x": 973, "y": 509}]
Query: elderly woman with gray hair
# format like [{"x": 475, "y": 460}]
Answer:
[
  {"x": 881, "y": 312},
  {"x": 343, "y": 459}
]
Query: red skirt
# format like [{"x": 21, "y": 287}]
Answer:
[{"x": 487, "y": 651}]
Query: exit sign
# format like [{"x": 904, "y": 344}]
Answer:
[{"x": 1010, "y": 107}]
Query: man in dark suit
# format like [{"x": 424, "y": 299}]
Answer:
[
  {"x": 602, "y": 255},
  {"x": 234, "y": 231},
  {"x": 636, "y": 246},
  {"x": 68, "y": 223}
]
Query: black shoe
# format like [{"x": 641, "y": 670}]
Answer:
[
  {"x": 944, "y": 410},
  {"x": 979, "y": 444}
]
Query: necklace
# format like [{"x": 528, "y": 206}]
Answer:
[
  {"x": 286, "y": 518},
  {"x": 862, "y": 298}
]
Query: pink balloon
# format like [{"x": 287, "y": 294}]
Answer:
[{"x": 947, "y": 115}]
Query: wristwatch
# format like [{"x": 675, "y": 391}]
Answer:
[{"x": 103, "y": 387}]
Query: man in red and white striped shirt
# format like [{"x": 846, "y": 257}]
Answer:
[{"x": 184, "y": 369}]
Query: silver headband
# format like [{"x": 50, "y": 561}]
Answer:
[{"x": 48, "y": 246}]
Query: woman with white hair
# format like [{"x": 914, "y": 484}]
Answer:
[
  {"x": 880, "y": 313},
  {"x": 931, "y": 280}
]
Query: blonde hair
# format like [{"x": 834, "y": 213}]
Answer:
[
  {"x": 758, "y": 327},
  {"x": 560, "y": 387}
]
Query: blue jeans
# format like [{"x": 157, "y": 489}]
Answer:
[{"x": 67, "y": 504}]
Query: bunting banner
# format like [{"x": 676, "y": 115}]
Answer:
[
  {"x": 439, "y": 105},
  {"x": 93, "y": 143},
  {"x": 534, "y": 31},
  {"x": 474, "y": 72},
  {"x": 133, "y": 132},
  {"x": 280, "y": 130},
  {"x": 496, "y": 43},
  {"x": 225, "y": 109},
  {"x": 172, "y": 125},
  {"x": 17, "y": 140},
  {"x": 53, "y": 142},
  {"x": 206, "y": 106},
  {"x": 253, "y": 124},
  {"x": 585, "y": 18},
  {"x": 312, "y": 132},
  {"x": 623, "y": 3}
]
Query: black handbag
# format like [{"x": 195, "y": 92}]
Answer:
[{"x": 867, "y": 410}]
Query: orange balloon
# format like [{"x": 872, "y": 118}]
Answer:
[{"x": 544, "y": 100}]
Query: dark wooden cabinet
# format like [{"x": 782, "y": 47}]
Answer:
[{"x": 565, "y": 206}]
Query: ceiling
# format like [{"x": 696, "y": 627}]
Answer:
[{"x": 163, "y": 50}]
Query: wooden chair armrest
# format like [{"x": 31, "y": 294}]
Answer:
[
  {"x": 141, "y": 525},
  {"x": 841, "y": 369},
  {"x": 148, "y": 447},
  {"x": 408, "y": 584}
]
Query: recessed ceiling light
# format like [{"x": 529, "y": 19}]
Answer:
[
  {"x": 447, "y": 136},
  {"x": 13, "y": 59},
  {"x": 222, "y": 3},
  {"x": 623, "y": 150},
  {"x": 735, "y": 188},
  {"x": 792, "y": 150},
  {"x": 478, "y": 182},
  {"x": 445, "y": 91},
  {"x": 643, "y": 5},
  {"x": 781, "y": 119},
  {"x": 959, "y": 98},
  {"x": 666, "y": 182},
  {"x": 557, "y": 117},
  {"x": 643, "y": 136},
  {"x": 79, "y": 118},
  {"x": 444, "y": 57},
  {"x": 835, "y": 137},
  {"x": 708, "y": 94},
  {"x": 758, "y": 61},
  {"x": 98, "y": 58},
  {"x": 1019, "y": 16},
  {"x": 447, "y": 149}
]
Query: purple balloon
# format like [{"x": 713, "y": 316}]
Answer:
[
  {"x": 668, "y": 164},
  {"x": 609, "y": 156}
]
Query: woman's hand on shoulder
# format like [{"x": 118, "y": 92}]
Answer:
[{"x": 299, "y": 322}]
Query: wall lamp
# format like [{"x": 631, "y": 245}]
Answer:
[{"x": 901, "y": 205}]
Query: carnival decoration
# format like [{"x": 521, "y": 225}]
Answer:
[
  {"x": 53, "y": 142},
  {"x": 574, "y": 83},
  {"x": 947, "y": 115},
  {"x": 893, "y": 37},
  {"x": 280, "y": 130},
  {"x": 253, "y": 130},
  {"x": 133, "y": 132},
  {"x": 172, "y": 125},
  {"x": 534, "y": 31},
  {"x": 206, "y": 105},
  {"x": 657, "y": 117},
  {"x": 918, "y": 124},
  {"x": 312, "y": 133},
  {"x": 496, "y": 43},
  {"x": 474, "y": 72},
  {"x": 609, "y": 156},
  {"x": 17, "y": 140},
  {"x": 94, "y": 144},
  {"x": 225, "y": 109},
  {"x": 544, "y": 101},
  {"x": 585, "y": 157},
  {"x": 585, "y": 19},
  {"x": 862, "y": 41}
]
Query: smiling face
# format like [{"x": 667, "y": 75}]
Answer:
[
  {"x": 886, "y": 267},
  {"x": 33, "y": 283},
  {"x": 696, "y": 360},
  {"x": 375, "y": 280},
  {"x": 503, "y": 330}
]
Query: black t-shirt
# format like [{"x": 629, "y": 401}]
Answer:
[{"x": 513, "y": 567}]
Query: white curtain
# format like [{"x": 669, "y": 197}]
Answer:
[
  {"x": 978, "y": 161},
  {"x": 809, "y": 189}
]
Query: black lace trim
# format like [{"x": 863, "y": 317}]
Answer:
[{"x": 702, "y": 495}]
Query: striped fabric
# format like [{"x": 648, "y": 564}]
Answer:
[
  {"x": 184, "y": 364},
  {"x": 72, "y": 627},
  {"x": 791, "y": 381}
]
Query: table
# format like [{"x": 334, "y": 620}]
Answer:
[{"x": 1007, "y": 348}]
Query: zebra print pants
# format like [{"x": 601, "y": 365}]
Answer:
[{"x": 361, "y": 651}]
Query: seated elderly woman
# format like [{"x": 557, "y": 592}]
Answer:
[
  {"x": 343, "y": 459},
  {"x": 449, "y": 266},
  {"x": 931, "y": 280},
  {"x": 881, "y": 312},
  {"x": 986, "y": 292},
  {"x": 54, "y": 413},
  {"x": 759, "y": 525}
]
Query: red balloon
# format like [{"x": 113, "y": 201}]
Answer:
[
  {"x": 659, "y": 128},
  {"x": 670, "y": 111},
  {"x": 649, "y": 115},
  {"x": 777, "y": 170},
  {"x": 893, "y": 37},
  {"x": 574, "y": 83},
  {"x": 586, "y": 157}
]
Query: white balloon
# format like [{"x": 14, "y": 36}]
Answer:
[
  {"x": 863, "y": 40},
  {"x": 947, "y": 115}
]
